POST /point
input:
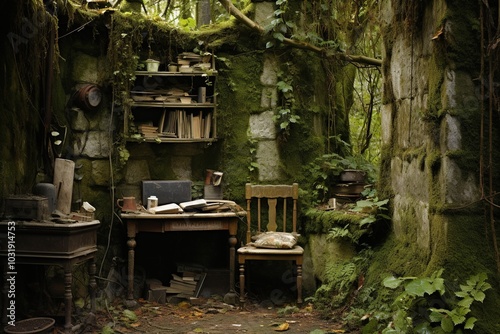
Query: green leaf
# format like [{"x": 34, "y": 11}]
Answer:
[
  {"x": 423, "y": 328},
  {"x": 107, "y": 330},
  {"x": 364, "y": 203},
  {"x": 435, "y": 316},
  {"x": 466, "y": 288},
  {"x": 269, "y": 45},
  {"x": 483, "y": 286},
  {"x": 437, "y": 273},
  {"x": 463, "y": 311},
  {"x": 438, "y": 284},
  {"x": 457, "y": 318},
  {"x": 279, "y": 36},
  {"x": 447, "y": 325},
  {"x": 367, "y": 220},
  {"x": 461, "y": 294},
  {"x": 276, "y": 21},
  {"x": 130, "y": 315},
  {"x": 478, "y": 296},
  {"x": 420, "y": 287},
  {"x": 392, "y": 282},
  {"x": 381, "y": 203},
  {"x": 466, "y": 302},
  {"x": 469, "y": 324},
  {"x": 401, "y": 320}
]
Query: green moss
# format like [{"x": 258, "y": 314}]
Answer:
[
  {"x": 321, "y": 221},
  {"x": 463, "y": 47}
]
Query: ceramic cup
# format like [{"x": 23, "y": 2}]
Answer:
[{"x": 127, "y": 204}]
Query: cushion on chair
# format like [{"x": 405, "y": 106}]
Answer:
[{"x": 275, "y": 240}]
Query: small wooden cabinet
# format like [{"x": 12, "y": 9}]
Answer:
[{"x": 172, "y": 107}]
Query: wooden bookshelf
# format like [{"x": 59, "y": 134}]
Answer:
[{"x": 181, "y": 106}]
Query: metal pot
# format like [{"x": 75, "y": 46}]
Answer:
[
  {"x": 352, "y": 175},
  {"x": 348, "y": 189}
]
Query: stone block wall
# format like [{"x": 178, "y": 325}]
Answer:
[{"x": 430, "y": 131}]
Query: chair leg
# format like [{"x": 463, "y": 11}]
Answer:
[
  {"x": 299, "y": 284},
  {"x": 242, "y": 283}
]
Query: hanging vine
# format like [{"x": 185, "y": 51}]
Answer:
[{"x": 490, "y": 56}]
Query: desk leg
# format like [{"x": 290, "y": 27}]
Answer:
[
  {"x": 92, "y": 285},
  {"x": 131, "y": 243},
  {"x": 232, "y": 259},
  {"x": 68, "y": 298},
  {"x": 230, "y": 297}
]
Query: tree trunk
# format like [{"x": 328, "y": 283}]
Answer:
[
  {"x": 202, "y": 13},
  {"x": 227, "y": 4}
]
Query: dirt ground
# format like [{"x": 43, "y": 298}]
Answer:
[{"x": 210, "y": 315}]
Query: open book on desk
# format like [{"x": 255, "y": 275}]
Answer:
[
  {"x": 193, "y": 205},
  {"x": 166, "y": 208},
  {"x": 198, "y": 205}
]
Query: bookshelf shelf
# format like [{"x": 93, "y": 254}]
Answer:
[
  {"x": 172, "y": 107},
  {"x": 177, "y": 74},
  {"x": 172, "y": 140}
]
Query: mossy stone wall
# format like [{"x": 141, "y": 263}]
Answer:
[{"x": 431, "y": 124}]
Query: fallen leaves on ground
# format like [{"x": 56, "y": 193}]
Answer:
[
  {"x": 210, "y": 316},
  {"x": 282, "y": 327}
]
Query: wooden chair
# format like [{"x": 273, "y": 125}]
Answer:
[{"x": 274, "y": 197}]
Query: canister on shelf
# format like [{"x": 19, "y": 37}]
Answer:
[{"x": 202, "y": 94}]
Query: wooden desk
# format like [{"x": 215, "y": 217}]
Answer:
[
  {"x": 47, "y": 243},
  {"x": 161, "y": 223}
]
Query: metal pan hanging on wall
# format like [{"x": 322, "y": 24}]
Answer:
[{"x": 89, "y": 97}]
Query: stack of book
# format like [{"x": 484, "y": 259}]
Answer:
[
  {"x": 148, "y": 131},
  {"x": 186, "y": 283}
]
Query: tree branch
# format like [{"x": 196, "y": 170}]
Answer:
[{"x": 232, "y": 10}]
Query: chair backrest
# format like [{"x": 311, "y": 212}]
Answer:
[{"x": 270, "y": 198}]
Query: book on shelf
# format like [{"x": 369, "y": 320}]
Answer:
[
  {"x": 196, "y": 125},
  {"x": 183, "y": 124},
  {"x": 207, "y": 126},
  {"x": 161, "y": 124}
]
